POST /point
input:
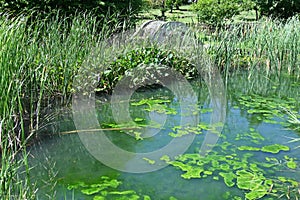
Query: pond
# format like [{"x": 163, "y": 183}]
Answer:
[{"x": 253, "y": 158}]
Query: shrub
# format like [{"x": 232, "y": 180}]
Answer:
[
  {"x": 146, "y": 56},
  {"x": 215, "y": 12}
]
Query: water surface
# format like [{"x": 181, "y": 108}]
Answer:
[{"x": 64, "y": 169}]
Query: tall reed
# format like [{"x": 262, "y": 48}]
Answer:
[
  {"x": 37, "y": 64},
  {"x": 264, "y": 49}
]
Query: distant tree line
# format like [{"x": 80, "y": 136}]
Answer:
[
  {"x": 217, "y": 11},
  {"x": 119, "y": 9},
  {"x": 209, "y": 11},
  {"x": 278, "y": 8}
]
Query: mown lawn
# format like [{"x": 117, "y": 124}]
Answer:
[{"x": 188, "y": 16}]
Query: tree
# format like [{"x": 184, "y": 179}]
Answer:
[
  {"x": 215, "y": 12},
  {"x": 278, "y": 8},
  {"x": 100, "y": 8},
  {"x": 164, "y": 5},
  {"x": 173, "y": 3}
]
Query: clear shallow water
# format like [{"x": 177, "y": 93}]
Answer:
[{"x": 62, "y": 161}]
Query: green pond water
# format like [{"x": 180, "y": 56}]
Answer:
[{"x": 253, "y": 157}]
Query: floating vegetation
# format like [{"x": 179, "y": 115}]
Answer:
[
  {"x": 256, "y": 183},
  {"x": 228, "y": 178},
  {"x": 179, "y": 131},
  {"x": 156, "y": 105},
  {"x": 248, "y": 148},
  {"x": 160, "y": 105},
  {"x": 152, "y": 162},
  {"x": 237, "y": 170},
  {"x": 248, "y": 164},
  {"x": 107, "y": 188},
  {"x": 290, "y": 162},
  {"x": 252, "y": 136},
  {"x": 275, "y": 148},
  {"x": 266, "y": 108}
]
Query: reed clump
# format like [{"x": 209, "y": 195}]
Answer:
[
  {"x": 37, "y": 64},
  {"x": 263, "y": 54}
]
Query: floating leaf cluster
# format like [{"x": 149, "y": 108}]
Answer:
[
  {"x": 156, "y": 105},
  {"x": 237, "y": 171},
  {"x": 266, "y": 108},
  {"x": 274, "y": 148},
  {"x": 107, "y": 188},
  {"x": 252, "y": 135}
]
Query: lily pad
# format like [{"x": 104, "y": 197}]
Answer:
[
  {"x": 247, "y": 180},
  {"x": 193, "y": 172},
  {"x": 257, "y": 193},
  {"x": 275, "y": 148},
  {"x": 228, "y": 178},
  {"x": 291, "y": 164}
]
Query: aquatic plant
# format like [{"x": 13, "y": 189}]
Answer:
[
  {"x": 256, "y": 183},
  {"x": 263, "y": 48},
  {"x": 237, "y": 169},
  {"x": 290, "y": 162},
  {"x": 293, "y": 119},
  {"x": 106, "y": 188},
  {"x": 156, "y": 105},
  {"x": 275, "y": 148},
  {"x": 252, "y": 135},
  {"x": 267, "y": 108}
]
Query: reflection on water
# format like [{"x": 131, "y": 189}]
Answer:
[{"x": 61, "y": 162}]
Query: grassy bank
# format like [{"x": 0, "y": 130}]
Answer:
[
  {"x": 37, "y": 64},
  {"x": 39, "y": 61}
]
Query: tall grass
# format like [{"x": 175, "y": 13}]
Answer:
[
  {"x": 37, "y": 64},
  {"x": 267, "y": 49}
]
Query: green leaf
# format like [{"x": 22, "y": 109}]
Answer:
[{"x": 275, "y": 148}]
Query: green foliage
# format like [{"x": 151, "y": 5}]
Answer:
[
  {"x": 167, "y": 3},
  {"x": 290, "y": 162},
  {"x": 155, "y": 3},
  {"x": 38, "y": 61},
  {"x": 275, "y": 148},
  {"x": 106, "y": 188},
  {"x": 256, "y": 183},
  {"x": 141, "y": 58},
  {"x": 156, "y": 105},
  {"x": 216, "y": 12},
  {"x": 268, "y": 49},
  {"x": 279, "y": 8},
  {"x": 237, "y": 170},
  {"x": 119, "y": 9},
  {"x": 173, "y": 3}
]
